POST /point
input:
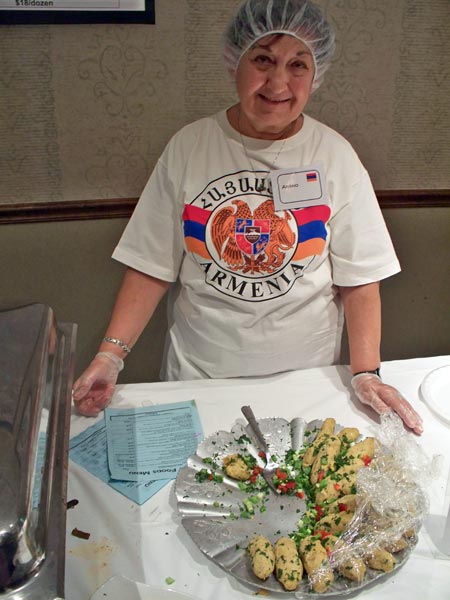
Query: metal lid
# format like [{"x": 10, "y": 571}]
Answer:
[{"x": 36, "y": 371}]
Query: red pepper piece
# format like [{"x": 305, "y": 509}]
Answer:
[
  {"x": 323, "y": 534},
  {"x": 319, "y": 511},
  {"x": 367, "y": 460},
  {"x": 281, "y": 474}
]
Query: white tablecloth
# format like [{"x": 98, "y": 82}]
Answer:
[{"x": 148, "y": 543}]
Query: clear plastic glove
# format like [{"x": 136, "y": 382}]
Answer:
[
  {"x": 382, "y": 398},
  {"x": 93, "y": 390}
]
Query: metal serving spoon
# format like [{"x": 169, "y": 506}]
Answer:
[{"x": 271, "y": 466}]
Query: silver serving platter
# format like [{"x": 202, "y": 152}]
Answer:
[{"x": 206, "y": 507}]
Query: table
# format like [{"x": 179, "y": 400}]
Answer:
[{"x": 148, "y": 543}]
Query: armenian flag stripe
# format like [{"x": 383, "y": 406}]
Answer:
[
  {"x": 197, "y": 247},
  {"x": 312, "y": 233},
  {"x": 309, "y": 231},
  {"x": 194, "y": 225},
  {"x": 309, "y": 248},
  {"x": 312, "y": 213},
  {"x": 194, "y": 230},
  {"x": 194, "y": 213}
]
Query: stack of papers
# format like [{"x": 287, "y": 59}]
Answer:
[{"x": 139, "y": 450}]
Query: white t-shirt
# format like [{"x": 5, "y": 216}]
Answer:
[{"x": 255, "y": 290}]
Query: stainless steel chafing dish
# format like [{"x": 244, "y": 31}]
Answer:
[{"x": 36, "y": 371}]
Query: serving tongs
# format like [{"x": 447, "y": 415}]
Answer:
[{"x": 271, "y": 466}]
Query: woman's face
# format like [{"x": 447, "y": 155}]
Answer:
[{"x": 273, "y": 81}]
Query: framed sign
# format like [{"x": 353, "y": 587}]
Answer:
[{"x": 40, "y": 12}]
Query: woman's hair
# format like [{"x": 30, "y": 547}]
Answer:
[{"x": 302, "y": 19}]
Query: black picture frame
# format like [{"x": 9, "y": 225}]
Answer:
[{"x": 69, "y": 17}]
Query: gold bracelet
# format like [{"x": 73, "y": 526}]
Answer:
[{"x": 119, "y": 343}]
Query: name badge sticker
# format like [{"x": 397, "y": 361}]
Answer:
[{"x": 298, "y": 188}]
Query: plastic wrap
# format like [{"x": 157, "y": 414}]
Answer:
[{"x": 392, "y": 501}]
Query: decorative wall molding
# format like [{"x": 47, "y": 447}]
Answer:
[
  {"x": 413, "y": 198},
  {"x": 67, "y": 211},
  {"x": 123, "y": 207}
]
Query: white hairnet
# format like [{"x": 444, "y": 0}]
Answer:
[{"x": 302, "y": 19}]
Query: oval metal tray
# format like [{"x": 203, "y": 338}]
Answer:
[{"x": 207, "y": 508}]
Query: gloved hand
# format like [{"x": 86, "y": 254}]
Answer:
[
  {"x": 94, "y": 389},
  {"x": 382, "y": 398}
]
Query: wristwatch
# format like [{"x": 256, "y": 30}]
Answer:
[{"x": 374, "y": 372}]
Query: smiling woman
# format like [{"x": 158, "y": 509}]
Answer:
[
  {"x": 273, "y": 81},
  {"x": 260, "y": 274}
]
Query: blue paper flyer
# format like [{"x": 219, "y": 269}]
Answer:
[
  {"x": 89, "y": 450},
  {"x": 151, "y": 442}
]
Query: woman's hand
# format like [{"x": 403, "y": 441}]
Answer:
[
  {"x": 93, "y": 390},
  {"x": 382, "y": 398}
]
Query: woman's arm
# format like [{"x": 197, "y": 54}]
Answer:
[
  {"x": 136, "y": 302},
  {"x": 362, "y": 308}
]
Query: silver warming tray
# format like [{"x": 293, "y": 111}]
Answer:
[{"x": 36, "y": 372}]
